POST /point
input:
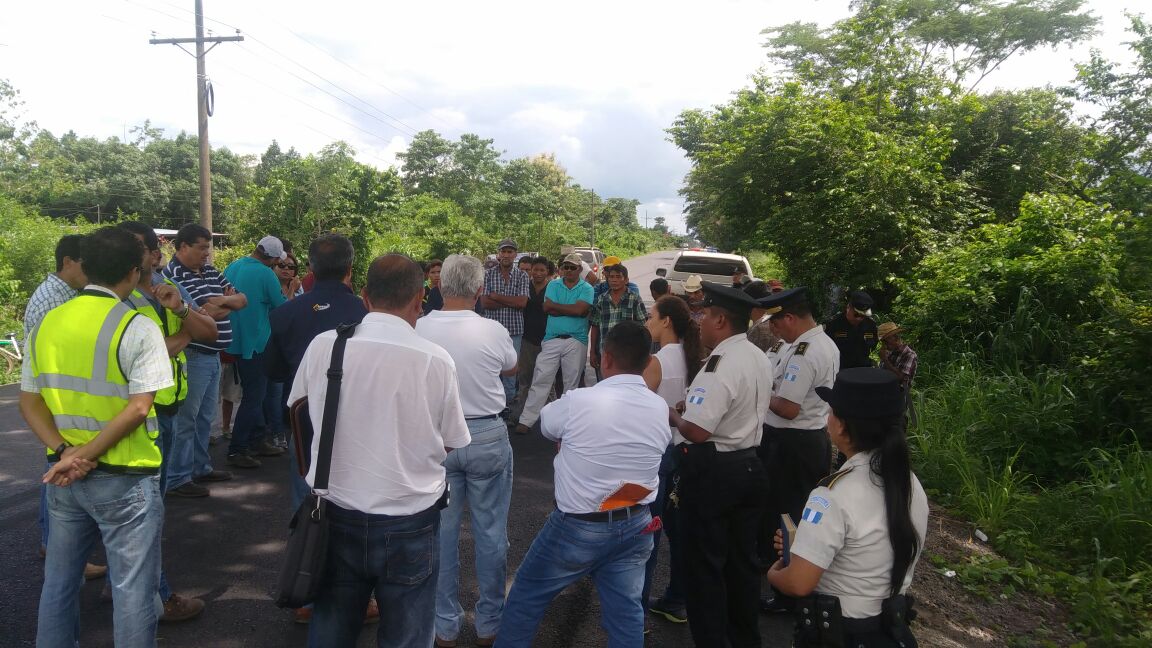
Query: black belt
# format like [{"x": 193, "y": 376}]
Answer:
[
  {"x": 563, "y": 337},
  {"x": 736, "y": 455},
  {"x": 482, "y": 418},
  {"x": 614, "y": 514},
  {"x": 862, "y": 626}
]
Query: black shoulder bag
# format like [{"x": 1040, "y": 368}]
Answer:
[{"x": 307, "y": 549}]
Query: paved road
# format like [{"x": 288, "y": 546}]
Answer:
[
  {"x": 226, "y": 549},
  {"x": 642, "y": 270}
]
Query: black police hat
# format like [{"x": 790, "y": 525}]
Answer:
[
  {"x": 861, "y": 302},
  {"x": 728, "y": 298},
  {"x": 864, "y": 393},
  {"x": 776, "y": 302}
]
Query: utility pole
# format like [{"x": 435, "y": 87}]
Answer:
[
  {"x": 593, "y": 218},
  {"x": 202, "y": 107}
]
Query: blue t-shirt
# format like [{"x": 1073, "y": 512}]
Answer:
[
  {"x": 558, "y": 325},
  {"x": 250, "y": 327}
]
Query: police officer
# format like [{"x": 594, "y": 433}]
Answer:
[
  {"x": 722, "y": 482},
  {"x": 795, "y": 450},
  {"x": 863, "y": 527},
  {"x": 854, "y": 331}
]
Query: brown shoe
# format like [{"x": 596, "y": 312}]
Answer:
[
  {"x": 445, "y": 643},
  {"x": 179, "y": 608},
  {"x": 372, "y": 614},
  {"x": 214, "y": 476},
  {"x": 522, "y": 429},
  {"x": 189, "y": 489},
  {"x": 486, "y": 641},
  {"x": 265, "y": 449},
  {"x": 92, "y": 572},
  {"x": 243, "y": 461},
  {"x": 302, "y": 615}
]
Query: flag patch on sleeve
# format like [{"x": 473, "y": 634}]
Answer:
[
  {"x": 812, "y": 516},
  {"x": 696, "y": 399}
]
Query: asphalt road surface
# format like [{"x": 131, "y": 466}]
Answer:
[{"x": 226, "y": 549}]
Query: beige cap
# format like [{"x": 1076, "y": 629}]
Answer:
[
  {"x": 575, "y": 259},
  {"x": 693, "y": 284}
]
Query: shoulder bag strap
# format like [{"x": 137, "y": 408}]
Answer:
[{"x": 331, "y": 401}]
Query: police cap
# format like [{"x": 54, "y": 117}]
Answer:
[
  {"x": 731, "y": 299},
  {"x": 776, "y": 302},
  {"x": 864, "y": 393}
]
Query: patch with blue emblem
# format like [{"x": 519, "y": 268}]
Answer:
[{"x": 811, "y": 516}]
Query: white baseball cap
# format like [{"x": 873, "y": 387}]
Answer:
[{"x": 272, "y": 247}]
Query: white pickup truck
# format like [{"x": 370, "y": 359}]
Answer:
[{"x": 711, "y": 266}]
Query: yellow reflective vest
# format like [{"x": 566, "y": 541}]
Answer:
[
  {"x": 169, "y": 399},
  {"x": 76, "y": 365}
]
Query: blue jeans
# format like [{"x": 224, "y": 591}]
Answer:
[
  {"x": 127, "y": 513},
  {"x": 193, "y": 423},
  {"x": 43, "y": 517},
  {"x": 510, "y": 381},
  {"x": 564, "y": 551},
  {"x": 479, "y": 474},
  {"x": 255, "y": 406},
  {"x": 395, "y": 555}
]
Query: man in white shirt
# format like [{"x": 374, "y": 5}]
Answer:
[
  {"x": 481, "y": 473},
  {"x": 612, "y": 437},
  {"x": 399, "y": 415}
]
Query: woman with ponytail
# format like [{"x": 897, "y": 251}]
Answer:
[
  {"x": 862, "y": 530},
  {"x": 669, "y": 373}
]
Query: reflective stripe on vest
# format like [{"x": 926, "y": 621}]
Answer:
[
  {"x": 178, "y": 392},
  {"x": 76, "y": 366}
]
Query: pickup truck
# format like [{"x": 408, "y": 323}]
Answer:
[{"x": 711, "y": 266}]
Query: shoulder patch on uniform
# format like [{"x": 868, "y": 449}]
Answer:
[
  {"x": 801, "y": 348},
  {"x": 830, "y": 481},
  {"x": 713, "y": 362},
  {"x": 775, "y": 348}
]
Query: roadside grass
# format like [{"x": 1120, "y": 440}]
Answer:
[{"x": 1002, "y": 448}]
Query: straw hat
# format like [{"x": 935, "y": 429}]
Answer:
[
  {"x": 693, "y": 283},
  {"x": 888, "y": 328}
]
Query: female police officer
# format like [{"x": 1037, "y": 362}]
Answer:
[{"x": 863, "y": 527}]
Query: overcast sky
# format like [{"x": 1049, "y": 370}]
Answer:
[{"x": 594, "y": 82}]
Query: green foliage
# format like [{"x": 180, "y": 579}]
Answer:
[{"x": 766, "y": 265}]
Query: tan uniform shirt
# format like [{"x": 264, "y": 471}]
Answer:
[
  {"x": 730, "y": 394},
  {"x": 810, "y": 362}
]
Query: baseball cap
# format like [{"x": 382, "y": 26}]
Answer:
[
  {"x": 507, "y": 243},
  {"x": 574, "y": 259},
  {"x": 272, "y": 247},
  {"x": 861, "y": 302}
]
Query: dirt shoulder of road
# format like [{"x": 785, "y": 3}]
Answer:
[{"x": 952, "y": 615}]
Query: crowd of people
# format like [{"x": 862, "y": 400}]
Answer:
[{"x": 712, "y": 419}]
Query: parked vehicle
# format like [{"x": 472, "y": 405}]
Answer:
[{"x": 711, "y": 266}]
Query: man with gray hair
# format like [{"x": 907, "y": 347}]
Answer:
[
  {"x": 399, "y": 415},
  {"x": 481, "y": 473}
]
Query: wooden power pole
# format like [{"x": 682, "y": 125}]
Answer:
[{"x": 202, "y": 107}]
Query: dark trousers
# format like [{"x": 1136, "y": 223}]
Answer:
[
  {"x": 258, "y": 404},
  {"x": 721, "y": 504},
  {"x": 796, "y": 461},
  {"x": 669, "y": 516}
]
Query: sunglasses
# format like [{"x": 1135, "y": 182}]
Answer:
[
  {"x": 286, "y": 266},
  {"x": 569, "y": 266}
]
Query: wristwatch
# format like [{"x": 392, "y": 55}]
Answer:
[{"x": 60, "y": 448}]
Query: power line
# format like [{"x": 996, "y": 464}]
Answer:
[{"x": 403, "y": 128}]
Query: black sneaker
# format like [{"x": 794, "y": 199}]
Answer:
[
  {"x": 672, "y": 611},
  {"x": 265, "y": 449},
  {"x": 242, "y": 461}
]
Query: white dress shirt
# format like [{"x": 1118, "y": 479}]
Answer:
[
  {"x": 481, "y": 350},
  {"x": 610, "y": 434},
  {"x": 399, "y": 409}
]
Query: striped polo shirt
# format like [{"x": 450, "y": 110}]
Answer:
[{"x": 201, "y": 286}]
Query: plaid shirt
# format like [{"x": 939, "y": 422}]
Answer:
[
  {"x": 905, "y": 360},
  {"x": 606, "y": 314},
  {"x": 52, "y": 292},
  {"x": 515, "y": 286}
]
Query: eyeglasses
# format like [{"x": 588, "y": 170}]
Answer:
[
  {"x": 569, "y": 266},
  {"x": 286, "y": 266}
]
